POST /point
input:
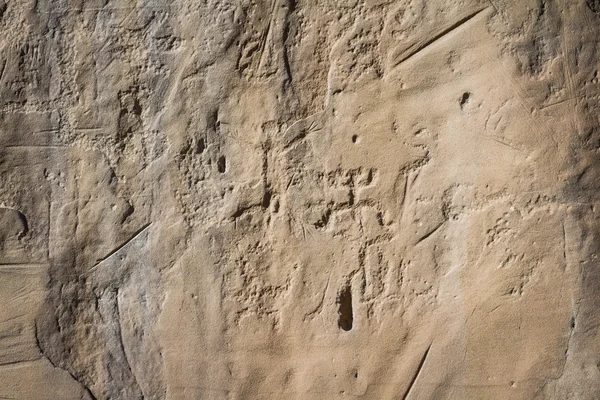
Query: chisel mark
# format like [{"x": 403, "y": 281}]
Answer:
[
  {"x": 416, "y": 374},
  {"x": 439, "y": 36},
  {"x": 135, "y": 235}
]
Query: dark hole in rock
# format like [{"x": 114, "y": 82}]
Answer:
[
  {"x": 345, "y": 317},
  {"x": 465, "y": 99},
  {"x": 201, "y": 146},
  {"x": 222, "y": 164},
  {"x": 266, "y": 200}
]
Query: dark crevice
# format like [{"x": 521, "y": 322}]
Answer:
[
  {"x": 266, "y": 200},
  {"x": 345, "y": 312},
  {"x": 24, "y": 225},
  {"x": 222, "y": 164},
  {"x": 201, "y": 146}
]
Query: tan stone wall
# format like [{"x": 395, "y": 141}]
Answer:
[{"x": 252, "y": 199}]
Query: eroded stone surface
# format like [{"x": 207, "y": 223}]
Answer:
[{"x": 267, "y": 199}]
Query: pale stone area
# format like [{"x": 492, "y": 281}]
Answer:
[{"x": 291, "y": 199}]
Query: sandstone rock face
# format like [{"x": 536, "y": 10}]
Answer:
[{"x": 271, "y": 199}]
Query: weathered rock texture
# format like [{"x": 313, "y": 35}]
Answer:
[{"x": 272, "y": 199}]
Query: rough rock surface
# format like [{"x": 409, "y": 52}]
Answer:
[{"x": 271, "y": 199}]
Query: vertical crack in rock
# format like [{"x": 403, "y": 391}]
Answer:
[{"x": 345, "y": 311}]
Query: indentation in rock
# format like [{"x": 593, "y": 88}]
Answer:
[
  {"x": 128, "y": 211},
  {"x": 275, "y": 205},
  {"x": 201, "y": 146},
  {"x": 464, "y": 100},
  {"x": 266, "y": 200},
  {"x": 130, "y": 120},
  {"x": 324, "y": 220},
  {"x": 222, "y": 164},
  {"x": 345, "y": 312}
]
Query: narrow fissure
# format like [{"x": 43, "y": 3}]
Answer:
[
  {"x": 222, "y": 164},
  {"x": 345, "y": 312}
]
